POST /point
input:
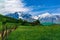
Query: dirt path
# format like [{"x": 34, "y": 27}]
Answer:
[
  {"x": 6, "y": 33},
  {"x": 0, "y": 34}
]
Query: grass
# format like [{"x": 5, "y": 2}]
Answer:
[
  {"x": 9, "y": 25},
  {"x": 0, "y": 26},
  {"x": 36, "y": 33}
]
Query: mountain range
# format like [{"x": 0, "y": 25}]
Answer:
[
  {"x": 23, "y": 16},
  {"x": 48, "y": 18},
  {"x": 43, "y": 18}
]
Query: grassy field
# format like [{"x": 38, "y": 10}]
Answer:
[
  {"x": 36, "y": 33},
  {"x": 0, "y": 26}
]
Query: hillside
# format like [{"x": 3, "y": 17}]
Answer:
[
  {"x": 6, "y": 23},
  {"x": 2, "y": 18}
]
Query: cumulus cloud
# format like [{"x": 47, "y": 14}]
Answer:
[
  {"x": 18, "y": 5},
  {"x": 14, "y": 6}
]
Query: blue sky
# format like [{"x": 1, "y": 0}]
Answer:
[
  {"x": 34, "y": 7},
  {"x": 42, "y": 2},
  {"x": 52, "y": 6}
]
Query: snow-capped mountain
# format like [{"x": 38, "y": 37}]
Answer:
[
  {"x": 27, "y": 17},
  {"x": 43, "y": 18},
  {"x": 48, "y": 18},
  {"x": 35, "y": 17},
  {"x": 23, "y": 16},
  {"x": 45, "y": 15},
  {"x": 13, "y": 15},
  {"x": 56, "y": 19}
]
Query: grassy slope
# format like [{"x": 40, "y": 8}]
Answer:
[
  {"x": 9, "y": 21},
  {"x": 0, "y": 26},
  {"x": 36, "y": 33},
  {"x": 0, "y": 29},
  {"x": 9, "y": 26}
]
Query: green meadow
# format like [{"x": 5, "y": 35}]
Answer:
[{"x": 35, "y": 33}]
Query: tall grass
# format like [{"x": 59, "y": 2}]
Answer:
[{"x": 36, "y": 33}]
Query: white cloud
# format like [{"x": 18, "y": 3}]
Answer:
[{"x": 13, "y": 6}]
